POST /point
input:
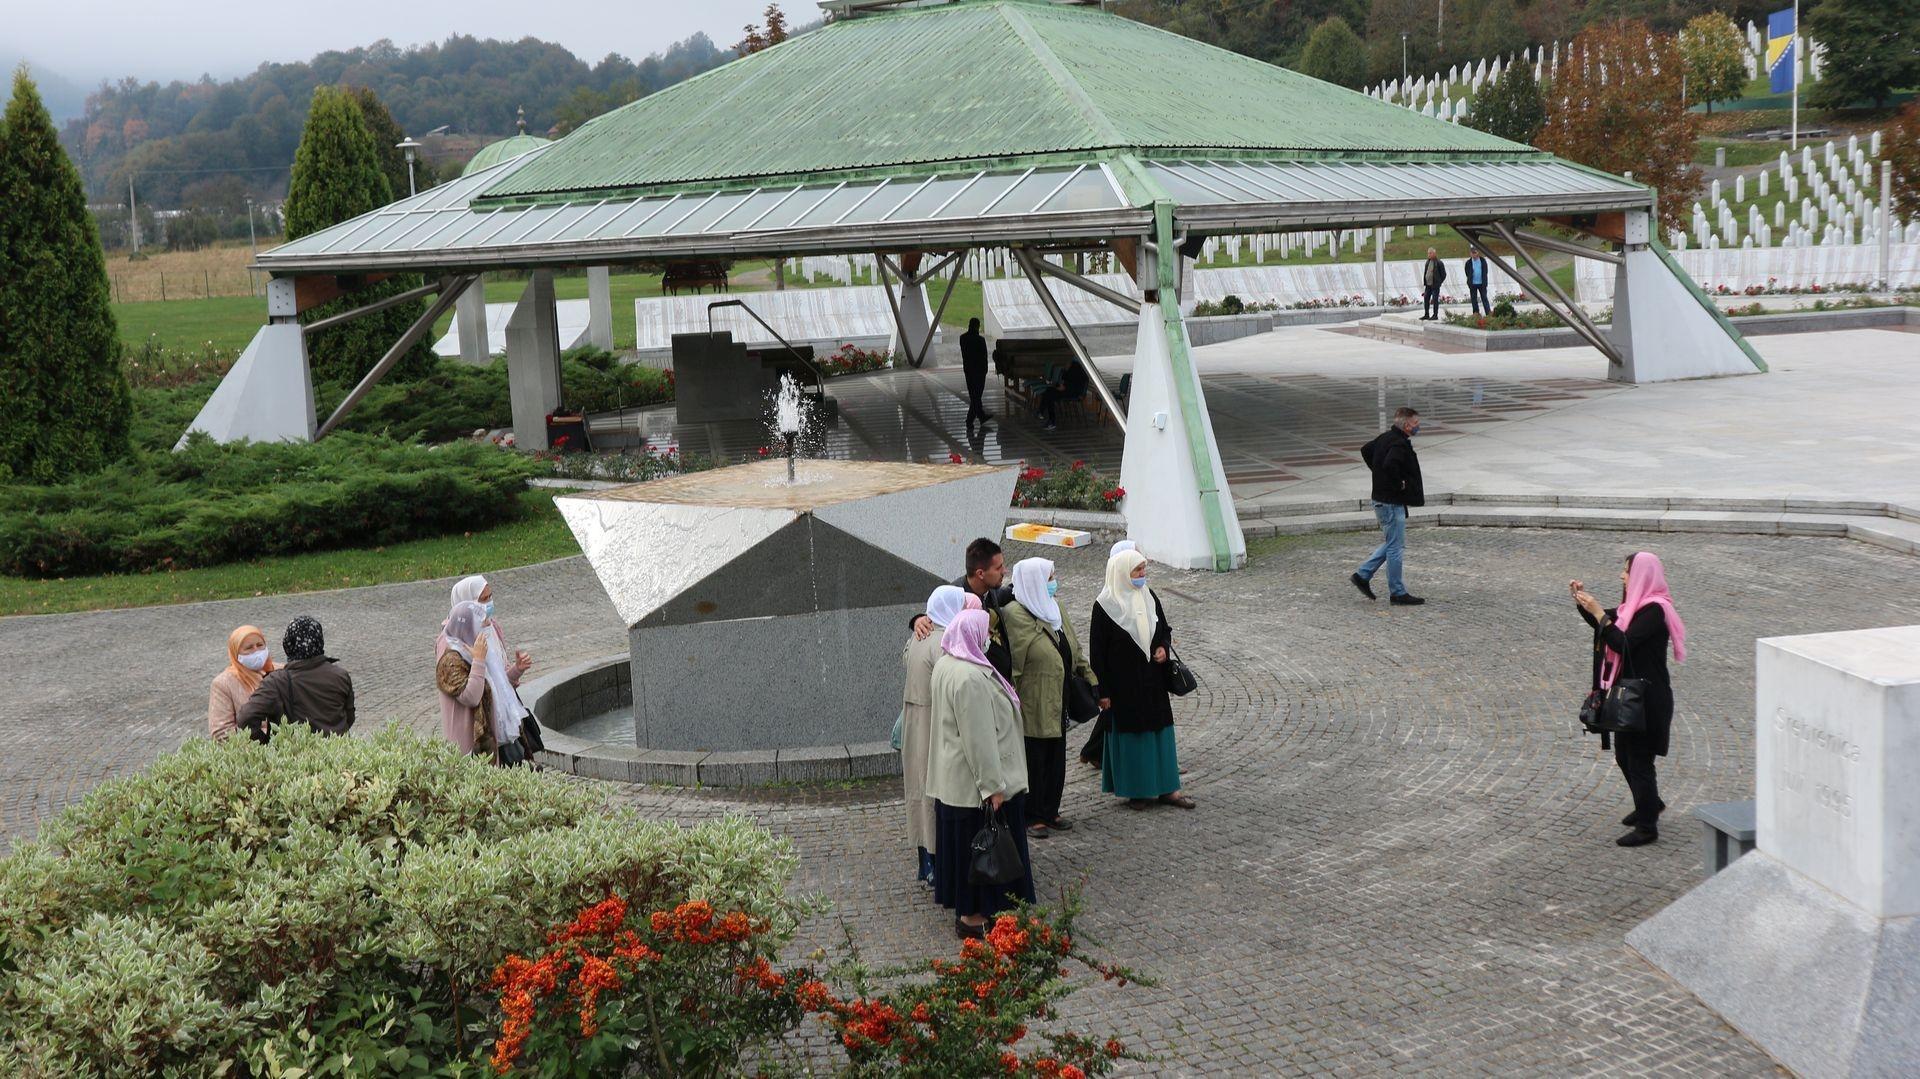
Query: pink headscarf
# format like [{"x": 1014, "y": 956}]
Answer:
[
  {"x": 1646, "y": 583},
  {"x": 966, "y": 639}
]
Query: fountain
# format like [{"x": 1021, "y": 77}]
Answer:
[{"x": 766, "y": 607}]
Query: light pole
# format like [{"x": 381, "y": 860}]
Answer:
[
  {"x": 253, "y": 245},
  {"x": 409, "y": 146},
  {"x": 1404, "y": 35}
]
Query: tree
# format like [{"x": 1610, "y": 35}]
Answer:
[
  {"x": 1498, "y": 33},
  {"x": 338, "y": 174},
  {"x": 1510, "y": 106},
  {"x": 1615, "y": 105},
  {"x": 387, "y": 137},
  {"x": 1871, "y": 48},
  {"x": 1902, "y": 147},
  {"x": 1335, "y": 54},
  {"x": 67, "y": 405},
  {"x": 1715, "y": 56},
  {"x": 758, "y": 38}
]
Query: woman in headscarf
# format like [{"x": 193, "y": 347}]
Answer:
[
  {"x": 1128, "y": 641},
  {"x": 1045, "y": 653},
  {"x": 1630, "y": 641},
  {"x": 466, "y": 701},
  {"x": 476, "y": 589},
  {"x": 311, "y": 688},
  {"x": 916, "y": 716},
  {"x": 248, "y": 660},
  {"x": 1095, "y": 747},
  {"x": 976, "y": 764}
]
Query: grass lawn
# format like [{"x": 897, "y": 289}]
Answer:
[
  {"x": 227, "y": 321},
  {"x": 537, "y": 535}
]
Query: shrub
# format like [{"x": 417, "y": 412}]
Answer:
[
  {"x": 645, "y": 465},
  {"x": 210, "y": 504},
  {"x": 1076, "y": 487},
  {"x": 294, "y": 904},
  {"x": 851, "y": 359},
  {"x": 454, "y": 399}
]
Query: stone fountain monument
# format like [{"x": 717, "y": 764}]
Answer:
[{"x": 767, "y": 602}]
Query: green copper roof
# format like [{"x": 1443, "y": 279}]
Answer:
[
  {"x": 505, "y": 150},
  {"x": 974, "y": 81}
]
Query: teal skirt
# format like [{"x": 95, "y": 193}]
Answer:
[{"x": 1140, "y": 765}]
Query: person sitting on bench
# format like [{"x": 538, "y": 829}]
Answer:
[{"x": 1069, "y": 384}]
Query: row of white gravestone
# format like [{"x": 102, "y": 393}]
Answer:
[
  {"x": 1429, "y": 93},
  {"x": 1840, "y": 204},
  {"x": 1737, "y": 269}
]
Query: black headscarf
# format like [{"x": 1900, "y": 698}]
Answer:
[{"x": 303, "y": 639}]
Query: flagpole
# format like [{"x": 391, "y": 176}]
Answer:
[{"x": 1793, "y": 45}]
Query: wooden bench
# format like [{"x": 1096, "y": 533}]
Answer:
[
  {"x": 1021, "y": 362},
  {"x": 697, "y": 276},
  {"x": 1726, "y": 833}
]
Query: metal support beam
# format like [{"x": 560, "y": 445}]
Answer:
[
  {"x": 933, "y": 324},
  {"x": 450, "y": 289},
  {"x": 1574, "y": 309},
  {"x": 1580, "y": 326},
  {"x": 1084, "y": 284},
  {"x": 933, "y": 271},
  {"x": 1027, "y": 261},
  {"x": 378, "y": 305},
  {"x": 1552, "y": 243},
  {"x": 881, "y": 265}
]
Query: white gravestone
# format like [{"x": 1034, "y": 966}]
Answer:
[{"x": 1810, "y": 945}]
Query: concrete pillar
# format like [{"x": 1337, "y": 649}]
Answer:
[
  {"x": 267, "y": 396},
  {"x": 600, "y": 308},
  {"x": 1663, "y": 325},
  {"x": 533, "y": 362},
  {"x": 470, "y": 325},
  {"x": 914, "y": 320}
]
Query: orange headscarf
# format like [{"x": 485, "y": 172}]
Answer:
[{"x": 249, "y": 679}]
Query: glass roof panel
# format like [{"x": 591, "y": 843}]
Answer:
[
  {"x": 529, "y": 219},
  {"x": 836, "y": 204},
  {"x": 1029, "y": 192},
  {"x": 753, "y": 208},
  {"x": 1183, "y": 189},
  {"x": 595, "y": 222},
  {"x": 714, "y": 210},
  {"x": 784, "y": 215},
  {"x": 883, "y": 202},
  {"x": 1091, "y": 190},
  {"x": 980, "y": 195},
  {"x": 922, "y": 203}
]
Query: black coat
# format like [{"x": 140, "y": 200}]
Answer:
[
  {"x": 1434, "y": 273},
  {"x": 1643, "y": 647},
  {"x": 998, "y": 653},
  {"x": 1136, "y": 685},
  {"x": 1396, "y": 469},
  {"x": 317, "y": 692},
  {"x": 973, "y": 350}
]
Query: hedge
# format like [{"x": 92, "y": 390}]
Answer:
[{"x": 209, "y": 504}]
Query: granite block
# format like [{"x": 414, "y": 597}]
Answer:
[
  {"x": 607, "y": 762},
  {"x": 677, "y": 766},
  {"x": 739, "y": 768},
  {"x": 813, "y": 764},
  {"x": 872, "y": 760}
]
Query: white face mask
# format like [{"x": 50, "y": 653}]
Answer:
[{"x": 254, "y": 660}]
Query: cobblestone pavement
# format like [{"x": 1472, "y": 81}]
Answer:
[{"x": 1402, "y": 860}]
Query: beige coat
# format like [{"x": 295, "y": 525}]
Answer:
[
  {"x": 224, "y": 699},
  {"x": 916, "y": 733},
  {"x": 977, "y": 748}
]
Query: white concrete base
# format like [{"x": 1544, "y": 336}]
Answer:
[
  {"x": 1162, "y": 506},
  {"x": 469, "y": 338},
  {"x": 571, "y": 320},
  {"x": 914, "y": 320},
  {"x": 267, "y": 396},
  {"x": 1664, "y": 331},
  {"x": 600, "y": 308},
  {"x": 533, "y": 362}
]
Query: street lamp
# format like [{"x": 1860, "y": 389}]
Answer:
[
  {"x": 1404, "y": 35},
  {"x": 409, "y": 146},
  {"x": 253, "y": 245}
]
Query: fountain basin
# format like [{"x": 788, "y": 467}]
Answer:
[{"x": 765, "y": 615}]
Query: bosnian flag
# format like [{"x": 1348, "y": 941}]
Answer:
[{"x": 1780, "y": 50}]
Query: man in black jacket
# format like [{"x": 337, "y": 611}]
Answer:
[
  {"x": 986, "y": 572},
  {"x": 1396, "y": 485},
  {"x": 1432, "y": 276},
  {"x": 973, "y": 361}
]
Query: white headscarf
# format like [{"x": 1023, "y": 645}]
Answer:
[
  {"x": 947, "y": 600},
  {"x": 1132, "y": 609},
  {"x": 464, "y": 626},
  {"x": 468, "y": 589},
  {"x": 1030, "y": 577},
  {"x": 1123, "y": 545}
]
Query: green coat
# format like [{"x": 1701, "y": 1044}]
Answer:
[
  {"x": 976, "y": 748},
  {"x": 1038, "y": 675}
]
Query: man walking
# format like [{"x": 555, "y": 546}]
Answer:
[
  {"x": 1432, "y": 276},
  {"x": 1477, "y": 283},
  {"x": 973, "y": 360},
  {"x": 1396, "y": 485}
]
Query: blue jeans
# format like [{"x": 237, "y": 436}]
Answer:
[{"x": 1393, "y": 524}]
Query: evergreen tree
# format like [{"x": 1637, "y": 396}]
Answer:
[
  {"x": 337, "y": 175},
  {"x": 1335, "y": 54},
  {"x": 387, "y": 137},
  {"x": 1870, "y": 48},
  {"x": 1902, "y": 147},
  {"x": 67, "y": 406},
  {"x": 1498, "y": 33},
  {"x": 1510, "y": 106}
]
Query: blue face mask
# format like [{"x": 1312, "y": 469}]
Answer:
[
  {"x": 488, "y": 607},
  {"x": 1137, "y": 582},
  {"x": 1053, "y": 588}
]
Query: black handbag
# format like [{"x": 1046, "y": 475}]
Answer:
[
  {"x": 995, "y": 858},
  {"x": 1180, "y": 679},
  {"x": 530, "y": 735},
  {"x": 1624, "y": 711},
  {"x": 1590, "y": 711},
  {"x": 1083, "y": 701}
]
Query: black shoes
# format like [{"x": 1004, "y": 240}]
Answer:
[
  {"x": 1639, "y": 837},
  {"x": 1366, "y": 589},
  {"x": 1405, "y": 599},
  {"x": 964, "y": 931}
]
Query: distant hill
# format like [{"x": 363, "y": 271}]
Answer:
[
  {"x": 65, "y": 99},
  {"x": 179, "y": 134}
]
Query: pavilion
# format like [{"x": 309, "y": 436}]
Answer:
[{"x": 917, "y": 130}]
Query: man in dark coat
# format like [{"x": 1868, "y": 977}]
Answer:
[
  {"x": 986, "y": 572},
  {"x": 1396, "y": 485},
  {"x": 973, "y": 360},
  {"x": 311, "y": 688},
  {"x": 1432, "y": 276},
  {"x": 1477, "y": 283}
]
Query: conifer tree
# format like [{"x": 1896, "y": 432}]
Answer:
[
  {"x": 1335, "y": 54},
  {"x": 337, "y": 175},
  {"x": 1510, "y": 106},
  {"x": 65, "y": 406}
]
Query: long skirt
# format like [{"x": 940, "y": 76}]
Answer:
[
  {"x": 956, "y": 828},
  {"x": 1140, "y": 765},
  {"x": 1046, "y": 777}
]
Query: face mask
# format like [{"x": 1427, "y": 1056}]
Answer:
[
  {"x": 488, "y": 607},
  {"x": 1053, "y": 588},
  {"x": 1137, "y": 582},
  {"x": 254, "y": 660}
]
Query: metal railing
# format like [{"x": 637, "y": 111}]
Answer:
[{"x": 819, "y": 377}]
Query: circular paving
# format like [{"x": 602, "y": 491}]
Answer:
[{"x": 1402, "y": 859}]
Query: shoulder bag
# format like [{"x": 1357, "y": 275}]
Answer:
[
  {"x": 1180, "y": 679},
  {"x": 995, "y": 859},
  {"x": 1623, "y": 705}
]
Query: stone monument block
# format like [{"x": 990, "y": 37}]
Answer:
[{"x": 1810, "y": 945}]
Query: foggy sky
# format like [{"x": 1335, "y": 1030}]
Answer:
[{"x": 88, "y": 40}]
